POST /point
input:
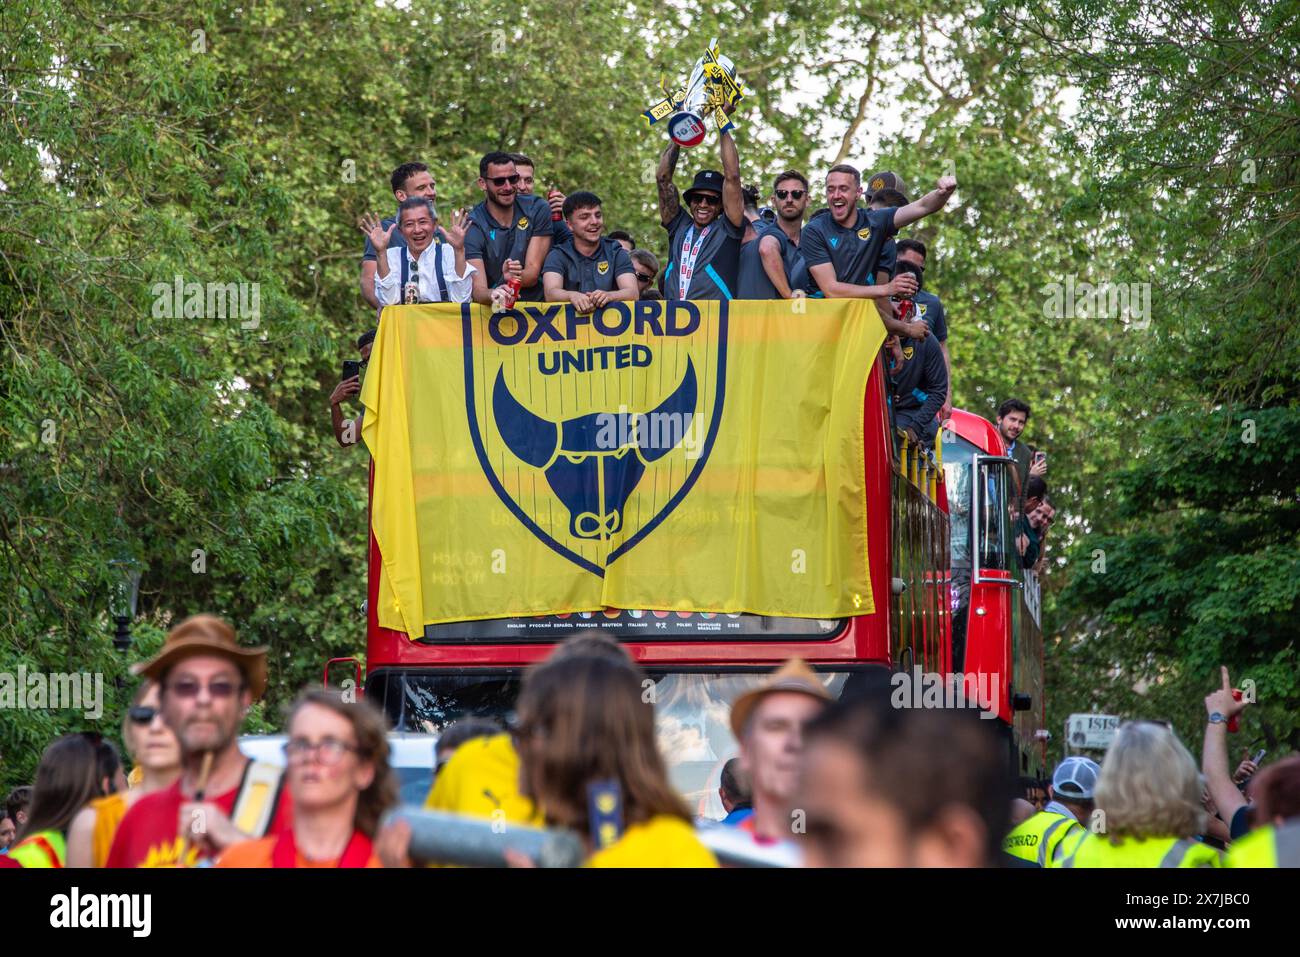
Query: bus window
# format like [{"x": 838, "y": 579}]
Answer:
[{"x": 993, "y": 517}]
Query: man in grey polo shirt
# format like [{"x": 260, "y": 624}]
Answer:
[
  {"x": 592, "y": 270},
  {"x": 843, "y": 248},
  {"x": 509, "y": 234},
  {"x": 771, "y": 265},
  {"x": 703, "y": 239}
]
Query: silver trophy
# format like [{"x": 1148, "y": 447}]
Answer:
[{"x": 711, "y": 87}]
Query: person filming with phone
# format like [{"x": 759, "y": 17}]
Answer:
[{"x": 347, "y": 431}]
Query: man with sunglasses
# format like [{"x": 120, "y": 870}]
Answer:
[
  {"x": 207, "y": 682},
  {"x": 647, "y": 272},
  {"x": 592, "y": 270},
  {"x": 772, "y": 266},
  {"x": 509, "y": 235},
  {"x": 704, "y": 239}
]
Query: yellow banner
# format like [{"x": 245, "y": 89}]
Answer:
[{"x": 686, "y": 456}]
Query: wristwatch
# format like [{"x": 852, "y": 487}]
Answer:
[{"x": 1218, "y": 718}]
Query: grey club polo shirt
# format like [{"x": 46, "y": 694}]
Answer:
[
  {"x": 493, "y": 243},
  {"x": 854, "y": 251},
  {"x": 599, "y": 271}
]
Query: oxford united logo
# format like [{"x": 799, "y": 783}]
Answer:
[
  {"x": 592, "y": 429},
  {"x": 864, "y": 232},
  {"x": 523, "y": 222},
  {"x": 602, "y": 267}
]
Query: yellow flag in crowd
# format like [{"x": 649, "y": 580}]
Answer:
[{"x": 703, "y": 456}]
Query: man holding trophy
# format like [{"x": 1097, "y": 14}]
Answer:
[{"x": 704, "y": 239}]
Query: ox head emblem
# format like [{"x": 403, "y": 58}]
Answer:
[{"x": 593, "y": 462}]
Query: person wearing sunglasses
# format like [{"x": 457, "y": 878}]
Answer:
[
  {"x": 704, "y": 239},
  {"x": 592, "y": 270},
  {"x": 771, "y": 266},
  {"x": 208, "y": 682},
  {"x": 647, "y": 273},
  {"x": 157, "y": 756},
  {"x": 341, "y": 784},
  {"x": 509, "y": 235}
]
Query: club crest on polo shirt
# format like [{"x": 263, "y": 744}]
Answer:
[
  {"x": 602, "y": 267},
  {"x": 920, "y": 309},
  {"x": 523, "y": 222},
  {"x": 907, "y": 353},
  {"x": 864, "y": 232}
]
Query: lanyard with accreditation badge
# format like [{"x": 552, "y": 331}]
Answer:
[{"x": 689, "y": 254}]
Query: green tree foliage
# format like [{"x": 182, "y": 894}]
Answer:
[
  {"x": 1189, "y": 116},
  {"x": 237, "y": 144}
]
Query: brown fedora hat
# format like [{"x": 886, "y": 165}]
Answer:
[
  {"x": 207, "y": 635},
  {"x": 793, "y": 676}
]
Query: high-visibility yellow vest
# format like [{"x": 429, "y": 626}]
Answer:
[
  {"x": 1267, "y": 847},
  {"x": 42, "y": 849},
  {"x": 1098, "y": 850},
  {"x": 1036, "y": 838},
  {"x": 1067, "y": 846}
]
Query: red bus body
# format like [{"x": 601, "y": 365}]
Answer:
[{"x": 910, "y": 627}]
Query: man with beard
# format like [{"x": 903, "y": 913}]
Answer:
[
  {"x": 772, "y": 266},
  {"x": 768, "y": 723},
  {"x": 592, "y": 270},
  {"x": 704, "y": 239},
  {"x": 207, "y": 682},
  {"x": 526, "y": 169},
  {"x": 509, "y": 235},
  {"x": 843, "y": 249}
]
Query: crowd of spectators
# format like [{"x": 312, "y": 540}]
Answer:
[{"x": 827, "y": 779}]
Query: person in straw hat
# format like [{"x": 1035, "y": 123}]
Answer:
[
  {"x": 768, "y": 724},
  {"x": 207, "y": 682}
]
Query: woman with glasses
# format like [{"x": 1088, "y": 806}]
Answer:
[
  {"x": 157, "y": 756},
  {"x": 66, "y": 779},
  {"x": 589, "y": 759},
  {"x": 340, "y": 784}
]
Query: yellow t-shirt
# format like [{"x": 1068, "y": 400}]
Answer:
[
  {"x": 109, "y": 812},
  {"x": 663, "y": 841},
  {"x": 482, "y": 778}
]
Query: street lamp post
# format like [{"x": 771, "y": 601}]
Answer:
[{"x": 124, "y": 589}]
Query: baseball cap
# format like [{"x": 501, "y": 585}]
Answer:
[
  {"x": 1076, "y": 777},
  {"x": 885, "y": 179}
]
